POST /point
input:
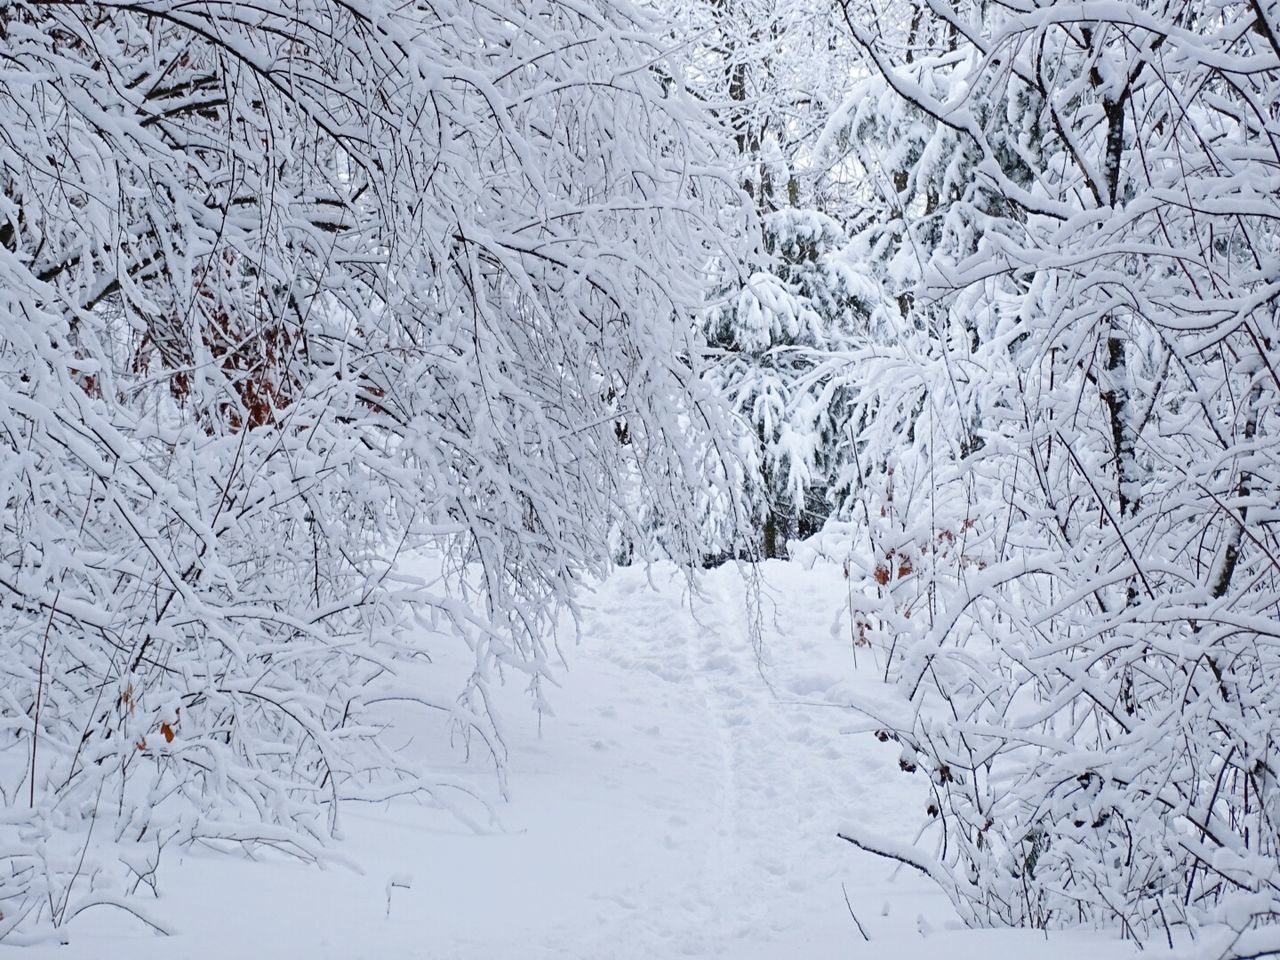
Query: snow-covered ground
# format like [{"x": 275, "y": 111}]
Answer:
[{"x": 682, "y": 802}]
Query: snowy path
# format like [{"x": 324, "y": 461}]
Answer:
[
  {"x": 757, "y": 785},
  {"x": 675, "y": 806}
]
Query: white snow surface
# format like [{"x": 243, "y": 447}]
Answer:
[{"x": 683, "y": 801}]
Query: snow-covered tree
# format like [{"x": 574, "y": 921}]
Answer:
[
  {"x": 1067, "y": 526},
  {"x": 772, "y": 70},
  {"x": 288, "y": 290},
  {"x": 771, "y": 337}
]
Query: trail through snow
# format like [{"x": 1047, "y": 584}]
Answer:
[{"x": 683, "y": 801}]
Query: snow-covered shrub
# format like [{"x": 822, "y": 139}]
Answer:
[{"x": 288, "y": 290}]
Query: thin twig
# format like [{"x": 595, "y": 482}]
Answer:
[{"x": 861, "y": 929}]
